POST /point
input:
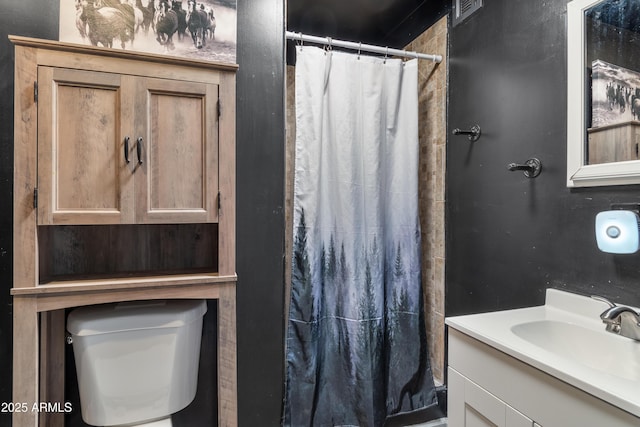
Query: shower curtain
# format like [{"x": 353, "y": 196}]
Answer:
[{"x": 356, "y": 345}]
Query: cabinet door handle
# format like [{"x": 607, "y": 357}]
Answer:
[
  {"x": 139, "y": 150},
  {"x": 126, "y": 149}
]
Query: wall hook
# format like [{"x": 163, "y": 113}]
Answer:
[
  {"x": 474, "y": 133},
  {"x": 531, "y": 167}
]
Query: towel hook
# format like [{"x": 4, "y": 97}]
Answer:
[
  {"x": 474, "y": 133},
  {"x": 531, "y": 167}
]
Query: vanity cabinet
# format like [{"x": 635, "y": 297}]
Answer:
[
  {"x": 124, "y": 189},
  {"x": 487, "y": 387}
]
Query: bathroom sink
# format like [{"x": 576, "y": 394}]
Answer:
[
  {"x": 566, "y": 339},
  {"x": 596, "y": 349}
]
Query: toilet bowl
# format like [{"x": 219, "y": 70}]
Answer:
[{"x": 137, "y": 362}]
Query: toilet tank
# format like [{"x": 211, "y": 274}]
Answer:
[{"x": 136, "y": 361}]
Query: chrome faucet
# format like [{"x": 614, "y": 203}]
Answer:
[{"x": 620, "y": 319}]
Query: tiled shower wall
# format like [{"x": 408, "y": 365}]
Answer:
[
  {"x": 432, "y": 133},
  {"x": 432, "y": 113}
]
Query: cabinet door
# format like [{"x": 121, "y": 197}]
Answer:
[
  {"x": 482, "y": 409},
  {"x": 515, "y": 418},
  {"x": 469, "y": 405},
  {"x": 177, "y": 179},
  {"x": 82, "y": 174}
]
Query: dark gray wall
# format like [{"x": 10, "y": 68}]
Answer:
[
  {"x": 393, "y": 23},
  {"x": 260, "y": 235},
  {"x": 508, "y": 237},
  {"x": 260, "y": 232}
]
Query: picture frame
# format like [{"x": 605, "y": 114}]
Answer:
[
  {"x": 615, "y": 94},
  {"x": 195, "y": 29}
]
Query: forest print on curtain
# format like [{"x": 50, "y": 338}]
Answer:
[{"x": 356, "y": 345}]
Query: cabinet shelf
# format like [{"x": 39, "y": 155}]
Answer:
[
  {"x": 72, "y": 293},
  {"x": 133, "y": 278},
  {"x": 123, "y": 283}
]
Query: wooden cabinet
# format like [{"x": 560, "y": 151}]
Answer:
[
  {"x": 124, "y": 189},
  {"x": 613, "y": 143},
  {"x": 117, "y": 148}
]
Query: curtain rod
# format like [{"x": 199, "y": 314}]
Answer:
[{"x": 328, "y": 41}]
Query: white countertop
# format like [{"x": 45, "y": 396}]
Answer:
[{"x": 598, "y": 362}]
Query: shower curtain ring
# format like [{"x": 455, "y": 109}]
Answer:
[
  {"x": 329, "y": 46},
  {"x": 359, "y": 49},
  {"x": 301, "y": 39},
  {"x": 386, "y": 54}
]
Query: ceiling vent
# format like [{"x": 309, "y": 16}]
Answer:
[{"x": 462, "y": 9}]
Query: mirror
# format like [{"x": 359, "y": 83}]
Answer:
[{"x": 603, "y": 96}]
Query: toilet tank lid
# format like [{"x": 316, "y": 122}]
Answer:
[{"x": 135, "y": 315}]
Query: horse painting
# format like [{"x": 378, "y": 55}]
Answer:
[
  {"x": 166, "y": 24},
  {"x": 199, "y": 25}
]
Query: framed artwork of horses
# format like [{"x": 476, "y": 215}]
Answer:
[
  {"x": 202, "y": 29},
  {"x": 615, "y": 94}
]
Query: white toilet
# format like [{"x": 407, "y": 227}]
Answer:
[{"x": 137, "y": 362}]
